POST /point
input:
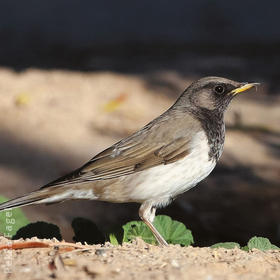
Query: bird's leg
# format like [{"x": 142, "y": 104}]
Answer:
[{"x": 147, "y": 214}]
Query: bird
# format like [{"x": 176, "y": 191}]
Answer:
[{"x": 153, "y": 166}]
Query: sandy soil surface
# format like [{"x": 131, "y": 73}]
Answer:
[{"x": 138, "y": 261}]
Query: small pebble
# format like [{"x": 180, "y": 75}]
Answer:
[
  {"x": 25, "y": 269},
  {"x": 101, "y": 252},
  {"x": 175, "y": 264}
]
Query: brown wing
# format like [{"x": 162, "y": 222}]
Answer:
[
  {"x": 149, "y": 147},
  {"x": 116, "y": 162}
]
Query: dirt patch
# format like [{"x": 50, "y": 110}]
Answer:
[{"x": 137, "y": 261}]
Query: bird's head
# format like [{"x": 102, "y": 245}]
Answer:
[{"x": 213, "y": 93}]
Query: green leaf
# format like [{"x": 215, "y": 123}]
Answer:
[
  {"x": 245, "y": 248},
  {"x": 226, "y": 245},
  {"x": 134, "y": 229},
  {"x": 113, "y": 239},
  {"x": 115, "y": 235},
  {"x": 261, "y": 243},
  {"x": 11, "y": 220},
  {"x": 172, "y": 231}
]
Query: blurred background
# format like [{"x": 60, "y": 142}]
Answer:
[{"x": 77, "y": 76}]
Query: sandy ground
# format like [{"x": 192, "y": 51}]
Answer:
[
  {"x": 53, "y": 121},
  {"x": 138, "y": 261}
]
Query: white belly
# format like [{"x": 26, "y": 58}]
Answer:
[{"x": 167, "y": 181}]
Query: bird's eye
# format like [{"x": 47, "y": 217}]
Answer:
[{"x": 219, "y": 89}]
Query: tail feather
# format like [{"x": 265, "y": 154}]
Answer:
[
  {"x": 19, "y": 201},
  {"x": 50, "y": 195},
  {"x": 36, "y": 197}
]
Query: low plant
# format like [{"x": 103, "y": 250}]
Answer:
[
  {"x": 255, "y": 242},
  {"x": 172, "y": 231},
  {"x": 14, "y": 224}
]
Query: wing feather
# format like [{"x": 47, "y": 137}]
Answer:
[{"x": 134, "y": 154}]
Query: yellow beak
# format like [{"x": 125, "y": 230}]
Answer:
[{"x": 244, "y": 88}]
